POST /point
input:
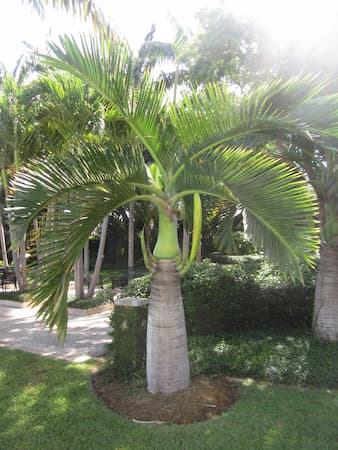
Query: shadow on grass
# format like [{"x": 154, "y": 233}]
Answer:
[{"x": 48, "y": 404}]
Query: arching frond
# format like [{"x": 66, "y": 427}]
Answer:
[
  {"x": 107, "y": 66},
  {"x": 213, "y": 116},
  {"x": 280, "y": 207},
  {"x": 82, "y": 190}
]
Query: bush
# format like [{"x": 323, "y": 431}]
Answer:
[
  {"x": 220, "y": 299},
  {"x": 128, "y": 347},
  {"x": 288, "y": 359},
  {"x": 103, "y": 297}
]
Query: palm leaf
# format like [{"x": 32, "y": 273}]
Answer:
[
  {"x": 279, "y": 204},
  {"x": 213, "y": 116},
  {"x": 107, "y": 65},
  {"x": 82, "y": 189}
]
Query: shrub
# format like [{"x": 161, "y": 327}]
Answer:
[
  {"x": 289, "y": 359},
  {"x": 220, "y": 299},
  {"x": 103, "y": 297},
  {"x": 128, "y": 347}
]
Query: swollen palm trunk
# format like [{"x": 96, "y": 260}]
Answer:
[
  {"x": 167, "y": 350},
  {"x": 325, "y": 320}
]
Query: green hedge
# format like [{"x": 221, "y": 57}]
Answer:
[
  {"x": 282, "y": 358},
  {"x": 128, "y": 347},
  {"x": 219, "y": 299}
]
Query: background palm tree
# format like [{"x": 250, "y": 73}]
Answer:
[
  {"x": 318, "y": 161},
  {"x": 198, "y": 146}
]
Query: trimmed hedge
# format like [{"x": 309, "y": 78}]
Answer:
[
  {"x": 291, "y": 358},
  {"x": 128, "y": 348},
  {"x": 220, "y": 299}
]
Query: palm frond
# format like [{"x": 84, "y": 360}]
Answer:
[
  {"x": 279, "y": 204},
  {"x": 85, "y": 9},
  {"x": 213, "y": 116},
  {"x": 82, "y": 190},
  {"x": 107, "y": 65}
]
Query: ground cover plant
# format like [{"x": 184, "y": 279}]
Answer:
[{"x": 50, "y": 404}]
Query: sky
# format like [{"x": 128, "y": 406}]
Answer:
[{"x": 306, "y": 23}]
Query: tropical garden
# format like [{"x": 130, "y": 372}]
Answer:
[{"x": 215, "y": 180}]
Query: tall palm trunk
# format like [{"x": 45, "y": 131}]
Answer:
[
  {"x": 131, "y": 239},
  {"x": 86, "y": 261},
  {"x": 167, "y": 350},
  {"x": 325, "y": 319},
  {"x": 3, "y": 243},
  {"x": 185, "y": 243},
  {"x": 99, "y": 257},
  {"x": 78, "y": 278},
  {"x": 15, "y": 255}
]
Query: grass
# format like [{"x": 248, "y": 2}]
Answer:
[{"x": 49, "y": 404}]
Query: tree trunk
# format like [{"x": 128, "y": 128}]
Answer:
[
  {"x": 86, "y": 261},
  {"x": 185, "y": 243},
  {"x": 37, "y": 237},
  {"x": 325, "y": 318},
  {"x": 78, "y": 278},
  {"x": 15, "y": 257},
  {"x": 199, "y": 253},
  {"x": 3, "y": 243},
  {"x": 167, "y": 349},
  {"x": 131, "y": 239},
  {"x": 22, "y": 261},
  {"x": 99, "y": 258},
  {"x": 16, "y": 264}
]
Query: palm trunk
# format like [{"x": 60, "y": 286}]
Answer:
[
  {"x": 22, "y": 261},
  {"x": 131, "y": 239},
  {"x": 199, "y": 253},
  {"x": 99, "y": 257},
  {"x": 78, "y": 278},
  {"x": 185, "y": 244},
  {"x": 37, "y": 237},
  {"x": 3, "y": 243},
  {"x": 167, "y": 350},
  {"x": 15, "y": 256},
  {"x": 325, "y": 319},
  {"x": 86, "y": 261}
]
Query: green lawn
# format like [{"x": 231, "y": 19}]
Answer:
[{"x": 49, "y": 404}]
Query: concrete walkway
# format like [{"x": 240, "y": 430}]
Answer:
[{"x": 87, "y": 335}]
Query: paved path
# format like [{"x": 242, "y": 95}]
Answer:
[{"x": 87, "y": 335}]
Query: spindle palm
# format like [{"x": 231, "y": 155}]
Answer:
[{"x": 200, "y": 145}]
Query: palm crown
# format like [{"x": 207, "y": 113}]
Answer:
[{"x": 208, "y": 143}]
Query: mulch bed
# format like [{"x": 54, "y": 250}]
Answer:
[{"x": 206, "y": 397}]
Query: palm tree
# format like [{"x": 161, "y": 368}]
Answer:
[
  {"x": 318, "y": 161},
  {"x": 198, "y": 146}
]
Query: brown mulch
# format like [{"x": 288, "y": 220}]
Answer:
[{"x": 206, "y": 397}]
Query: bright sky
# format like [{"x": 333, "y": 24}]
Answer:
[{"x": 307, "y": 23}]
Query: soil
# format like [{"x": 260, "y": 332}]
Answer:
[{"x": 206, "y": 397}]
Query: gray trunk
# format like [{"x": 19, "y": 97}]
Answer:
[
  {"x": 167, "y": 350},
  {"x": 22, "y": 259},
  {"x": 86, "y": 261},
  {"x": 16, "y": 262},
  {"x": 185, "y": 244},
  {"x": 99, "y": 258},
  {"x": 37, "y": 237},
  {"x": 78, "y": 278},
  {"x": 325, "y": 319},
  {"x": 3, "y": 243},
  {"x": 131, "y": 238}
]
